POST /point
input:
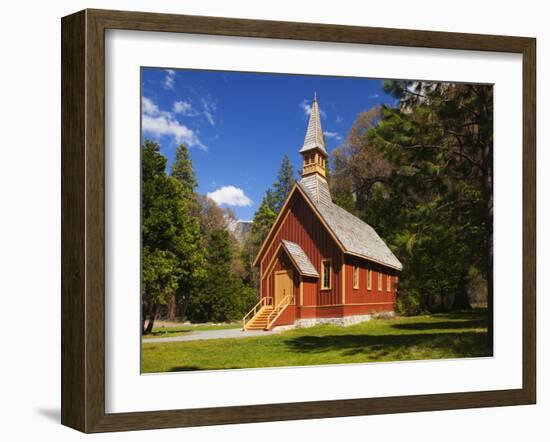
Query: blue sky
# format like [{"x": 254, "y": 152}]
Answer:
[{"x": 238, "y": 125}]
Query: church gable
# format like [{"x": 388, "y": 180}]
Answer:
[
  {"x": 299, "y": 224},
  {"x": 302, "y": 227}
]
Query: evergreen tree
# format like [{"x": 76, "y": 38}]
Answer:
[
  {"x": 283, "y": 185},
  {"x": 220, "y": 296},
  {"x": 159, "y": 283},
  {"x": 441, "y": 141},
  {"x": 263, "y": 220},
  {"x": 182, "y": 169},
  {"x": 421, "y": 175},
  {"x": 271, "y": 205},
  {"x": 172, "y": 256},
  {"x": 214, "y": 217},
  {"x": 269, "y": 200}
]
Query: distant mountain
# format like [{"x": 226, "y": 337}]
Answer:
[{"x": 239, "y": 229}]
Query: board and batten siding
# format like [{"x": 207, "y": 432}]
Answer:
[
  {"x": 384, "y": 299},
  {"x": 302, "y": 226}
]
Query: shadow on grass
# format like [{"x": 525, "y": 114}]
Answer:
[
  {"x": 442, "y": 325},
  {"x": 473, "y": 314},
  {"x": 186, "y": 368},
  {"x": 195, "y": 368},
  {"x": 458, "y": 344}
]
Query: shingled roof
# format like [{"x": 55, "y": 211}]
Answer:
[
  {"x": 356, "y": 236},
  {"x": 297, "y": 254}
]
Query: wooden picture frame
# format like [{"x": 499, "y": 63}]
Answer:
[{"x": 83, "y": 220}]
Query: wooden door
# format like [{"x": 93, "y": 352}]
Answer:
[{"x": 283, "y": 285}]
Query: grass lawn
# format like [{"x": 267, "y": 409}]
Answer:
[
  {"x": 450, "y": 335},
  {"x": 179, "y": 330}
]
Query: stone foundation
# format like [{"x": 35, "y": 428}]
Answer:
[
  {"x": 384, "y": 315},
  {"x": 344, "y": 322}
]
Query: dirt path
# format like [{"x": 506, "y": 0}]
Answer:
[{"x": 211, "y": 334}]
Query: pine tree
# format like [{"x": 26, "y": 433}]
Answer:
[
  {"x": 182, "y": 169},
  {"x": 283, "y": 185},
  {"x": 218, "y": 298},
  {"x": 263, "y": 220},
  {"x": 265, "y": 216},
  {"x": 171, "y": 242},
  {"x": 421, "y": 175}
]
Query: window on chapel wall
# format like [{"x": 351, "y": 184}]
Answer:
[
  {"x": 369, "y": 279},
  {"x": 388, "y": 283},
  {"x": 355, "y": 277},
  {"x": 326, "y": 274},
  {"x": 379, "y": 281}
]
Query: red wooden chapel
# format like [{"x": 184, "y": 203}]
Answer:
[{"x": 319, "y": 263}]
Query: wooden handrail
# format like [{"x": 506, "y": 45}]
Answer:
[
  {"x": 286, "y": 301},
  {"x": 261, "y": 303}
]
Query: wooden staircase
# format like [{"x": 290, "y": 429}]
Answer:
[
  {"x": 264, "y": 314},
  {"x": 261, "y": 320}
]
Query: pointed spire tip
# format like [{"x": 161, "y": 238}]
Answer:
[{"x": 314, "y": 133}]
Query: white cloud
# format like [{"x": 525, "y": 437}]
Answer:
[
  {"x": 339, "y": 119},
  {"x": 169, "y": 79},
  {"x": 148, "y": 107},
  {"x": 230, "y": 196},
  {"x": 182, "y": 107},
  {"x": 205, "y": 109},
  {"x": 158, "y": 123},
  {"x": 161, "y": 125},
  {"x": 208, "y": 109},
  {"x": 334, "y": 135},
  {"x": 306, "y": 108},
  {"x": 374, "y": 96}
]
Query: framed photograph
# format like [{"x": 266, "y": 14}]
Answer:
[{"x": 268, "y": 221}]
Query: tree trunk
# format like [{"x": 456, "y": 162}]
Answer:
[
  {"x": 461, "y": 300},
  {"x": 152, "y": 315},
  {"x": 431, "y": 302},
  {"x": 184, "y": 303},
  {"x": 143, "y": 316},
  {"x": 172, "y": 306}
]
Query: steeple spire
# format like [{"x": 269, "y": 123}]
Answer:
[
  {"x": 314, "y": 134},
  {"x": 313, "y": 149}
]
